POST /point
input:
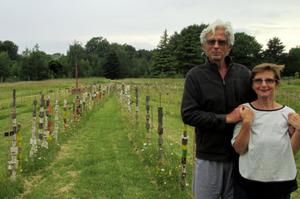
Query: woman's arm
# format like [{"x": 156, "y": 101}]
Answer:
[
  {"x": 242, "y": 140},
  {"x": 294, "y": 121}
]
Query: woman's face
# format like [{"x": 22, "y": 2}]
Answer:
[{"x": 264, "y": 84}]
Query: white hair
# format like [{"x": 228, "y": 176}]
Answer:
[{"x": 212, "y": 28}]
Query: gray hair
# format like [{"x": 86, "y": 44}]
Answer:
[
  {"x": 275, "y": 68},
  {"x": 212, "y": 28}
]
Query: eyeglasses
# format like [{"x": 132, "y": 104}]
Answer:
[
  {"x": 268, "y": 81},
  {"x": 213, "y": 42}
]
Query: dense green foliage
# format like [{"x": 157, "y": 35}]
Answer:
[
  {"x": 174, "y": 55},
  {"x": 246, "y": 50},
  {"x": 111, "y": 66}
]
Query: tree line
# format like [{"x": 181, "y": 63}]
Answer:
[
  {"x": 173, "y": 57},
  {"x": 178, "y": 53}
]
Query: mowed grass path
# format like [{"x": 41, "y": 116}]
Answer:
[{"x": 97, "y": 162}]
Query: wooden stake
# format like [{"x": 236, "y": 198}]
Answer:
[
  {"x": 184, "y": 142},
  {"x": 49, "y": 116},
  {"x": 56, "y": 120},
  {"x": 65, "y": 116},
  {"x": 148, "y": 118},
  {"x": 13, "y": 163},
  {"x": 33, "y": 140},
  {"x": 136, "y": 105},
  {"x": 43, "y": 127},
  {"x": 160, "y": 132}
]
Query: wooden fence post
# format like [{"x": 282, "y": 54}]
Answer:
[
  {"x": 56, "y": 120},
  {"x": 127, "y": 97},
  {"x": 42, "y": 124},
  {"x": 13, "y": 163},
  {"x": 148, "y": 118},
  {"x": 41, "y": 120},
  {"x": 160, "y": 132},
  {"x": 19, "y": 140},
  {"x": 65, "y": 115},
  {"x": 136, "y": 105},
  {"x": 49, "y": 116},
  {"x": 33, "y": 141},
  {"x": 184, "y": 142},
  {"x": 77, "y": 108}
]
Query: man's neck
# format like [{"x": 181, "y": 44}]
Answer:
[{"x": 222, "y": 68}]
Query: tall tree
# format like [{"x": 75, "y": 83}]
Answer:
[
  {"x": 111, "y": 66},
  {"x": 35, "y": 65},
  {"x": 56, "y": 66},
  {"x": 125, "y": 58},
  {"x": 144, "y": 59},
  {"x": 5, "y": 63},
  {"x": 96, "y": 50},
  {"x": 246, "y": 50},
  {"x": 173, "y": 47},
  {"x": 275, "y": 51},
  {"x": 292, "y": 63},
  {"x": 163, "y": 61},
  {"x": 76, "y": 55},
  {"x": 189, "y": 52},
  {"x": 10, "y": 48}
]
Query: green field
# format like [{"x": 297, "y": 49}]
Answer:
[{"x": 106, "y": 154}]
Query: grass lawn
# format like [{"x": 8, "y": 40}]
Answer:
[{"x": 97, "y": 162}]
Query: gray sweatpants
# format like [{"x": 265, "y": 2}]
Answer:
[{"x": 213, "y": 180}]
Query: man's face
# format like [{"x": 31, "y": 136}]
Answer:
[{"x": 216, "y": 46}]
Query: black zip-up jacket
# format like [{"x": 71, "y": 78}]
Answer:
[{"x": 207, "y": 98}]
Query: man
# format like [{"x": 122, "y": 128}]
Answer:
[{"x": 212, "y": 92}]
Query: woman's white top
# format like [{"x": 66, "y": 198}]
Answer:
[{"x": 270, "y": 155}]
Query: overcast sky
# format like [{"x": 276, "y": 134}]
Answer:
[{"x": 55, "y": 24}]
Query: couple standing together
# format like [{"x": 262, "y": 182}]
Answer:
[{"x": 245, "y": 140}]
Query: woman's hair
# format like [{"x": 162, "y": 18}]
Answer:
[
  {"x": 215, "y": 25},
  {"x": 276, "y": 69}
]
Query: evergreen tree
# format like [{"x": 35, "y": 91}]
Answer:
[
  {"x": 246, "y": 50},
  {"x": 163, "y": 61},
  {"x": 275, "y": 51},
  {"x": 173, "y": 47},
  {"x": 189, "y": 52}
]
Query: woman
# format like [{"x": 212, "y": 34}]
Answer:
[{"x": 267, "y": 139}]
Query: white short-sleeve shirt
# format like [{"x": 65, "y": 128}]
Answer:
[{"x": 269, "y": 156}]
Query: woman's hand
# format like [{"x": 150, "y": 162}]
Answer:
[
  {"x": 294, "y": 120},
  {"x": 246, "y": 114}
]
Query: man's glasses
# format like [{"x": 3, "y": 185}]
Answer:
[
  {"x": 268, "y": 81},
  {"x": 213, "y": 42}
]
